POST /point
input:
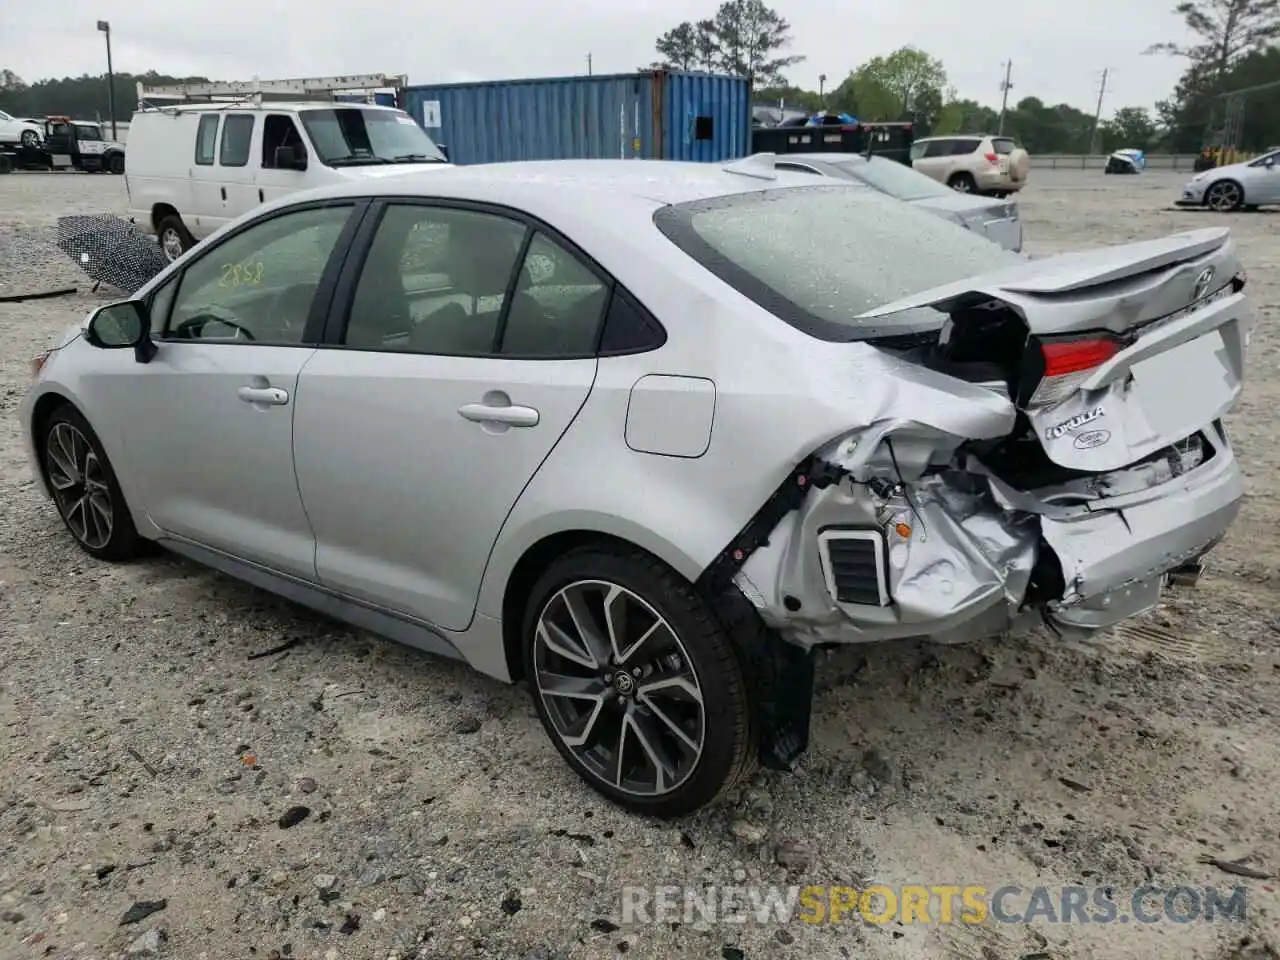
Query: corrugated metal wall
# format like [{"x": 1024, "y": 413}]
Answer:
[
  {"x": 726, "y": 101},
  {"x": 614, "y": 116}
]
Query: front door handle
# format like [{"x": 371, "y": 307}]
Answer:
[
  {"x": 271, "y": 395},
  {"x": 512, "y": 416},
  {"x": 224, "y": 193}
]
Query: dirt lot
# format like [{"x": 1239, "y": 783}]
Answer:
[{"x": 148, "y": 755}]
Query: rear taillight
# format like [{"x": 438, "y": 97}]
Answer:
[
  {"x": 1067, "y": 364},
  {"x": 993, "y": 159}
]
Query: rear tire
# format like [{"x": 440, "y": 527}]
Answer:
[
  {"x": 115, "y": 163},
  {"x": 85, "y": 489},
  {"x": 30, "y": 139},
  {"x": 962, "y": 183},
  {"x": 612, "y": 702},
  {"x": 173, "y": 237}
]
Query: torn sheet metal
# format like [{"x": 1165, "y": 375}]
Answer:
[{"x": 960, "y": 572}]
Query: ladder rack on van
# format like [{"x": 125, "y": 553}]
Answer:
[{"x": 257, "y": 91}]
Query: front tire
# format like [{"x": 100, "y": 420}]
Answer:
[
  {"x": 85, "y": 489},
  {"x": 115, "y": 163},
  {"x": 1224, "y": 196},
  {"x": 636, "y": 681},
  {"x": 174, "y": 237}
]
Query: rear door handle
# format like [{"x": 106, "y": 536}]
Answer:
[
  {"x": 272, "y": 395},
  {"x": 512, "y": 416},
  {"x": 260, "y": 196}
]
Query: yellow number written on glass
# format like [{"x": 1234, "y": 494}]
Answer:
[{"x": 244, "y": 274}]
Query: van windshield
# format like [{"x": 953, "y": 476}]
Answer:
[{"x": 350, "y": 136}]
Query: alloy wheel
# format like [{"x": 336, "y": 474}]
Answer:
[
  {"x": 171, "y": 244},
  {"x": 1224, "y": 196},
  {"x": 619, "y": 687},
  {"x": 961, "y": 185},
  {"x": 80, "y": 486}
]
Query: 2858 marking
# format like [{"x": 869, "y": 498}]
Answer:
[{"x": 242, "y": 274}]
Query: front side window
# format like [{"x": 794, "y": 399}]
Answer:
[
  {"x": 258, "y": 286},
  {"x": 351, "y": 136},
  {"x": 206, "y": 139},
  {"x": 435, "y": 281},
  {"x": 87, "y": 131},
  {"x": 237, "y": 135},
  {"x": 279, "y": 130},
  {"x": 918, "y": 150},
  {"x": 819, "y": 257}
]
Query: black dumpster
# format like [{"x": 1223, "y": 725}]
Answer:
[{"x": 891, "y": 140}]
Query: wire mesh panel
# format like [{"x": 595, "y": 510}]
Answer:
[{"x": 110, "y": 250}]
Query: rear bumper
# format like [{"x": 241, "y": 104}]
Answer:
[
  {"x": 995, "y": 180},
  {"x": 1114, "y": 560}
]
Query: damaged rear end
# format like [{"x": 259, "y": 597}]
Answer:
[{"x": 1050, "y": 456}]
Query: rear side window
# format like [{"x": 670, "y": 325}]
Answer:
[
  {"x": 206, "y": 138},
  {"x": 1003, "y": 146},
  {"x": 818, "y": 257},
  {"x": 237, "y": 134},
  {"x": 961, "y": 147}
]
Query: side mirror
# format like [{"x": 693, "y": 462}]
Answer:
[
  {"x": 290, "y": 158},
  {"x": 120, "y": 325},
  {"x": 1269, "y": 162}
]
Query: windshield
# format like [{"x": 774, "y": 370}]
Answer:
[
  {"x": 4, "y": 117},
  {"x": 817, "y": 257},
  {"x": 350, "y": 136},
  {"x": 896, "y": 179}
]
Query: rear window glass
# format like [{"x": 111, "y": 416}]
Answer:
[
  {"x": 959, "y": 147},
  {"x": 1003, "y": 147},
  {"x": 819, "y": 256}
]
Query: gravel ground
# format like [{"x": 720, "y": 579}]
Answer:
[{"x": 148, "y": 755}]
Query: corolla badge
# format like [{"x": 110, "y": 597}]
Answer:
[
  {"x": 1091, "y": 439},
  {"x": 1073, "y": 424},
  {"x": 1202, "y": 284}
]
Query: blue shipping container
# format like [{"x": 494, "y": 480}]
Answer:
[{"x": 651, "y": 116}]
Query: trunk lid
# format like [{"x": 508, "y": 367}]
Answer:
[{"x": 1118, "y": 353}]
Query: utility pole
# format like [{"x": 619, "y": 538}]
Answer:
[
  {"x": 1097, "y": 114},
  {"x": 1005, "y": 87},
  {"x": 588, "y": 64},
  {"x": 105, "y": 28}
]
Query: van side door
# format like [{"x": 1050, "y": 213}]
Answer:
[
  {"x": 238, "y": 164},
  {"x": 282, "y": 138},
  {"x": 206, "y": 209}
]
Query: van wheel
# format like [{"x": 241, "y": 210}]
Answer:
[
  {"x": 175, "y": 239},
  {"x": 115, "y": 163}
]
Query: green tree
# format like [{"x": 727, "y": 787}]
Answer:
[
  {"x": 678, "y": 47},
  {"x": 1228, "y": 31},
  {"x": 907, "y": 84},
  {"x": 794, "y": 97},
  {"x": 83, "y": 97},
  {"x": 1130, "y": 127},
  {"x": 745, "y": 38}
]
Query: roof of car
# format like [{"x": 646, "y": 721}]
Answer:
[{"x": 658, "y": 182}]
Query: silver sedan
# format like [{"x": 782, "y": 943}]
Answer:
[
  {"x": 997, "y": 220},
  {"x": 648, "y": 434},
  {"x": 1254, "y": 183}
]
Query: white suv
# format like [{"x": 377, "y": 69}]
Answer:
[
  {"x": 973, "y": 163},
  {"x": 13, "y": 130}
]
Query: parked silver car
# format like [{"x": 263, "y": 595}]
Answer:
[
  {"x": 997, "y": 220},
  {"x": 732, "y": 416},
  {"x": 1254, "y": 183}
]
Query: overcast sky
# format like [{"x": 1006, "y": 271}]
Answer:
[{"x": 1058, "y": 47}]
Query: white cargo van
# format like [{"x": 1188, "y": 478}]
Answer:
[{"x": 195, "y": 167}]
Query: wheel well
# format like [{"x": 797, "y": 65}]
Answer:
[
  {"x": 525, "y": 575},
  {"x": 39, "y": 417},
  {"x": 162, "y": 210},
  {"x": 960, "y": 175}
]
